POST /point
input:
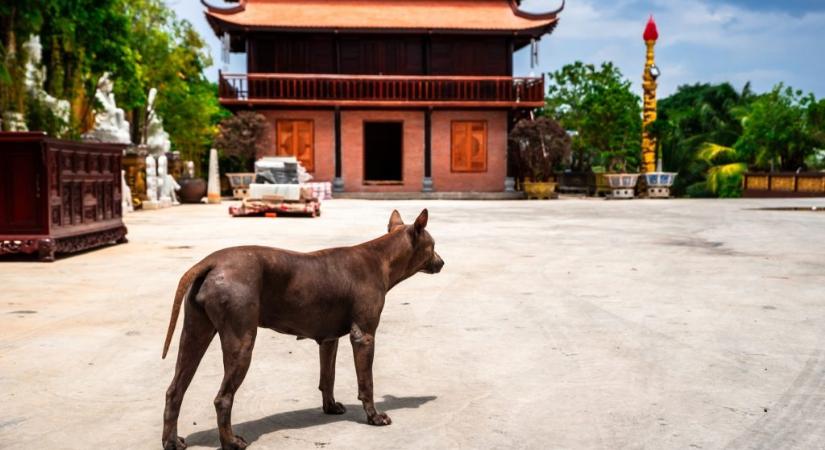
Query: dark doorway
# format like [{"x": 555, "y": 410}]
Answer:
[{"x": 383, "y": 150}]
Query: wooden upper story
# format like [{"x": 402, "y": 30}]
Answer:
[{"x": 380, "y": 53}]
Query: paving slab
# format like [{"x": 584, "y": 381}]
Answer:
[{"x": 573, "y": 324}]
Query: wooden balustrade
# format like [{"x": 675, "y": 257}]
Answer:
[
  {"x": 805, "y": 184},
  {"x": 391, "y": 91}
]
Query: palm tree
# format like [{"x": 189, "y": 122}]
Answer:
[
  {"x": 691, "y": 117},
  {"x": 724, "y": 170}
]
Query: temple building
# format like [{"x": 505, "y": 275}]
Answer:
[{"x": 385, "y": 95}]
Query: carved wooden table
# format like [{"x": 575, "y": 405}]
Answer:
[{"x": 58, "y": 196}]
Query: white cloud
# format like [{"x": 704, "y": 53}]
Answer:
[{"x": 700, "y": 42}]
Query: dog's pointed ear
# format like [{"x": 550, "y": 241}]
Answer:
[
  {"x": 395, "y": 220},
  {"x": 421, "y": 221}
]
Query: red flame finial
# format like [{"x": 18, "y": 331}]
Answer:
[{"x": 651, "y": 32}]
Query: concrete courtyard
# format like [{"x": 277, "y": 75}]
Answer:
[{"x": 574, "y": 324}]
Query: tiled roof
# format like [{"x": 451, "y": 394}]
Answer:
[{"x": 469, "y": 15}]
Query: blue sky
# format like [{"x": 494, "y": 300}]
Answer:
[{"x": 760, "y": 41}]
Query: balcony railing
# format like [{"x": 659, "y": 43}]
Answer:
[{"x": 389, "y": 91}]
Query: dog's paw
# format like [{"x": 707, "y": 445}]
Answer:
[
  {"x": 175, "y": 444},
  {"x": 379, "y": 419},
  {"x": 335, "y": 409},
  {"x": 238, "y": 443}
]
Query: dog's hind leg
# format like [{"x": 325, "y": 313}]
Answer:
[
  {"x": 237, "y": 340},
  {"x": 328, "y": 352},
  {"x": 195, "y": 337}
]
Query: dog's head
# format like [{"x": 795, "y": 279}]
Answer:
[{"x": 424, "y": 258}]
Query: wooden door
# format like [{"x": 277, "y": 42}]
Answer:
[
  {"x": 469, "y": 146},
  {"x": 22, "y": 190},
  {"x": 297, "y": 138}
]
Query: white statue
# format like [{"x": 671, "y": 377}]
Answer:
[
  {"x": 36, "y": 77},
  {"x": 163, "y": 170},
  {"x": 126, "y": 194},
  {"x": 151, "y": 184},
  {"x": 110, "y": 123},
  {"x": 13, "y": 121},
  {"x": 190, "y": 169},
  {"x": 173, "y": 187},
  {"x": 156, "y": 138},
  {"x": 35, "y": 74},
  {"x": 167, "y": 184}
]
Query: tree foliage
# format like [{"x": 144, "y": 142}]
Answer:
[
  {"x": 599, "y": 105},
  {"x": 712, "y": 134},
  {"x": 724, "y": 168},
  {"x": 140, "y": 43},
  {"x": 782, "y": 129},
  {"x": 172, "y": 58},
  {"x": 82, "y": 40},
  {"x": 241, "y": 137},
  {"x": 541, "y": 145},
  {"x": 695, "y": 115}
]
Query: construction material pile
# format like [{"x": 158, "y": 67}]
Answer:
[{"x": 280, "y": 188}]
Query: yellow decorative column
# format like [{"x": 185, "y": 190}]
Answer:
[{"x": 649, "y": 86}]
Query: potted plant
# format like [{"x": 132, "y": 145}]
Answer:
[
  {"x": 539, "y": 145},
  {"x": 621, "y": 179},
  {"x": 241, "y": 137}
]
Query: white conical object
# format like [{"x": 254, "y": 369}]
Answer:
[{"x": 214, "y": 190}]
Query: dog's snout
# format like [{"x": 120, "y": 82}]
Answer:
[{"x": 438, "y": 263}]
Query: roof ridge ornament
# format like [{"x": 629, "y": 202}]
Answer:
[
  {"x": 241, "y": 6},
  {"x": 538, "y": 16},
  {"x": 651, "y": 31}
]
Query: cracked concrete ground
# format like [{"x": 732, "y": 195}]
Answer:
[{"x": 569, "y": 324}]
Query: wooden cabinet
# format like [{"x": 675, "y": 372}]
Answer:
[{"x": 58, "y": 196}]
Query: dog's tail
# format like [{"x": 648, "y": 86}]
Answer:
[{"x": 186, "y": 282}]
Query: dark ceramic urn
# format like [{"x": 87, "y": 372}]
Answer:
[{"x": 192, "y": 190}]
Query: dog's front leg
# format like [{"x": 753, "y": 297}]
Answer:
[
  {"x": 328, "y": 351},
  {"x": 363, "y": 349}
]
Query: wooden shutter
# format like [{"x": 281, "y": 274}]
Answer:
[
  {"x": 297, "y": 138},
  {"x": 469, "y": 147},
  {"x": 304, "y": 144}
]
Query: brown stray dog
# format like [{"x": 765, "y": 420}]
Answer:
[{"x": 321, "y": 296}]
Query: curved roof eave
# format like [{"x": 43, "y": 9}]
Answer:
[
  {"x": 241, "y": 6},
  {"x": 219, "y": 25},
  {"x": 514, "y": 4}
]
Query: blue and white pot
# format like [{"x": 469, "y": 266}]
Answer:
[
  {"x": 622, "y": 185},
  {"x": 659, "y": 184}
]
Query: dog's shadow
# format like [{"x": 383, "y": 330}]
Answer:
[{"x": 302, "y": 418}]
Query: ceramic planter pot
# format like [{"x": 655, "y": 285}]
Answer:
[
  {"x": 600, "y": 186},
  {"x": 622, "y": 185},
  {"x": 240, "y": 184},
  {"x": 535, "y": 190},
  {"x": 192, "y": 190},
  {"x": 659, "y": 184}
]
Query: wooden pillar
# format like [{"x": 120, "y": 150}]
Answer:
[
  {"x": 428, "y": 151},
  {"x": 338, "y": 183},
  {"x": 509, "y": 178}
]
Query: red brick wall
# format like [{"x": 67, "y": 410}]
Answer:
[
  {"x": 324, "y": 138},
  {"x": 352, "y": 128},
  {"x": 352, "y": 149},
  {"x": 444, "y": 180}
]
